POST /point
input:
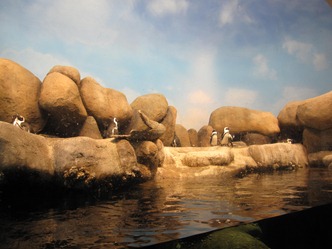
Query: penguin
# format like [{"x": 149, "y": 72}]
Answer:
[
  {"x": 19, "y": 121},
  {"x": 214, "y": 138},
  {"x": 227, "y": 138},
  {"x": 115, "y": 130}
]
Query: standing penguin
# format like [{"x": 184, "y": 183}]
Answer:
[
  {"x": 227, "y": 138},
  {"x": 214, "y": 138}
]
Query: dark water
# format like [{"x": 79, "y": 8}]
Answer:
[{"x": 158, "y": 211}]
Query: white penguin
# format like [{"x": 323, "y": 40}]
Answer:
[
  {"x": 227, "y": 138},
  {"x": 214, "y": 138}
]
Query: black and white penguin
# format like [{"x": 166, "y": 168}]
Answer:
[
  {"x": 227, "y": 138},
  {"x": 19, "y": 121},
  {"x": 214, "y": 138}
]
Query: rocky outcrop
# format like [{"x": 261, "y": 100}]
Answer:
[
  {"x": 60, "y": 98},
  {"x": 182, "y": 135},
  {"x": 169, "y": 122},
  {"x": 68, "y": 71},
  {"x": 104, "y": 104},
  {"x": 243, "y": 120},
  {"x": 90, "y": 129},
  {"x": 19, "y": 94},
  {"x": 193, "y": 137},
  {"x": 204, "y": 135},
  {"x": 255, "y": 138},
  {"x": 155, "y": 106},
  {"x": 74, "y": 163},
  {"x": 316, "y": 112}
]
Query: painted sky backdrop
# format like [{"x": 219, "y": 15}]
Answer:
[{"x": 200, "y": 54}]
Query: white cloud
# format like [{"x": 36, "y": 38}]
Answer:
[
  {"x": 320, "y": 61},
  {"x": 305, "y": 52},
  {"x": 262, "y": 69},
  {"x": 232, "y": 12},
  {"x": 199, "y": 97},
  {"x": 240, "y": 97},
  {"x": 164, "y": 7}
]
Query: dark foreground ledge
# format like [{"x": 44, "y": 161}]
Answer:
[{"x": 310, "y": 228}]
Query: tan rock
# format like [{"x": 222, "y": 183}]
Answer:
[
  {"x": 204, "y": 135},
  {"x": 193, "y": 137},
  {"x": 60, "y": 98},
  {"x": 105, "y": 103},
  {"x": 182, "y": 134},
  {"x": 155, "y": 106},
  {"x": 169, "y": 122},
  {"x": 19, "y": 94},
  {"x": 316, "y": 112},
  {"x": 255, "y": 138},
  {"x": 90, "y": 129},
  {"x": 320, "y": 159},
  {"x": 316, "y": 140},
  {"x": 279, "y": 155},
  {"x": 240, "y": 120},
  {"x": 68, "y": 71}
]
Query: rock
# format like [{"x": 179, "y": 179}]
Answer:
[
  {"x": 182, "y": 134},
  {"x": 169, "y": 122},
  {"x": 150, "y": 154},
  {"x": 316, "y": 140},
  {"x": 245, "y": 236},
  {"x": 90, "y": 129},
  {"x": 68, "y": 71},
  {"x": 105, "y": 103},
  {"x": 155, "y": 106},
  {"x": 204, "y": 135},
  {"x": 279, "y": 155},
  {"x": 149, "y": 130},
  {"x": 241, "y": 120},
  {"x": 255, "y": 138},
  {"x": 320, "y": 159},
  {"x": 224, "y": 156},
  {"x": 60, "y": 98},
  {"x": 19, "y": 94},
  {"x": 316, "y": 112},
  {"x": 25, "y": 158},
  {"x": 193, "y": 137}
]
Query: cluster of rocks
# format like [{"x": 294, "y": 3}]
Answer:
[{"x": 75, "y": 120}]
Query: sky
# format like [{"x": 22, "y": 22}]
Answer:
[{"x": 201, "y": 55}]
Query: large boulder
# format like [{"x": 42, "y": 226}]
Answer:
[
  {"x": 317, "y": 140},
  {"x": 279, "y": 155},
  {"x": 204, "y": 135},
  {"x": 104, "y": 104},
  {"x": 154, "y": 105},
  {"x": 182, "y": 134},
  {"x": 90, "y": 129},
  {"x": 69, "y": 71},
  {"x": 169, "y": 122},
  {"x": 19, "y": 94},
  {"x": 193, "y": 137},
  {"x": 242, "y": 120},
  {"x": 24, "y": 157},
  {"x": 316, "y": 112},
  {"x": 255, "y": 138},
  {"x": 60, "y": 98}
]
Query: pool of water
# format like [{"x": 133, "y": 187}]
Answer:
[{"x": 155, "y": 212}]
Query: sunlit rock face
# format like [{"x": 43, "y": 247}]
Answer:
[
  {"x": 182, "y": 136},
  {"x": 19, "y": 94},
  {"x": 243, "y": 120},
  {"x": 60, "y": 98},
  {"x": 74, "y": 163},
  {"x": 105, "y": 104},
  {"x": 169, "y": 121},
  {"x": 68, "y": 71}
]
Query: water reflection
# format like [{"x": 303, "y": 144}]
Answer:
[{"x": 159, "y": 211}]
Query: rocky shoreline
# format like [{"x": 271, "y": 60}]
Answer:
[{"x": 87, "y": 137}]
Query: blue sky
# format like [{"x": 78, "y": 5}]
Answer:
[{"x": 201, "y": 55}]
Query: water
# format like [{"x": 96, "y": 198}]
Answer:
[{"x": 154, "y": 212}]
